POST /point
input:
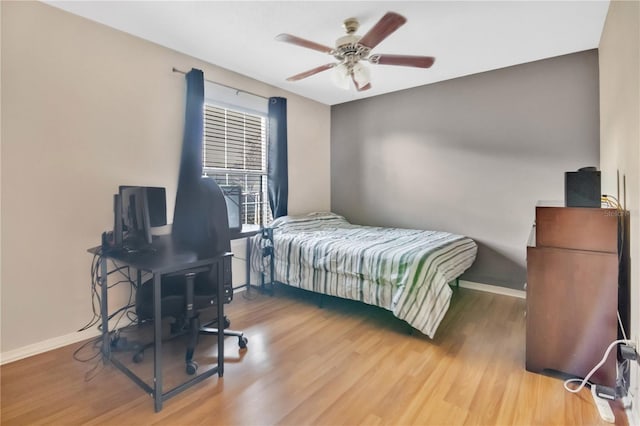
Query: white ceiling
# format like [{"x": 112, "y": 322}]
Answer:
[{"x": 466, "y": 37}]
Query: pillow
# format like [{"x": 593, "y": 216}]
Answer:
[{"x": 310, "y": 219}]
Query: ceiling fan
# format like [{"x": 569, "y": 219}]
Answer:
[{"x": 351, "y": 49}]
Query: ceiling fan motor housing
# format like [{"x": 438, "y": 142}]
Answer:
[{"x": 348, "y": 48}]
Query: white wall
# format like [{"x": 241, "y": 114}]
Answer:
[
  {"x": 86, "y": 108},
  {"x": 620, "y": 136}
]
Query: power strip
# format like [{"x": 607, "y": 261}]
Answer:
[{"x": 604, "y": 409}]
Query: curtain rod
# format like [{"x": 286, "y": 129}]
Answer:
[{"x": 224, "y": 85}]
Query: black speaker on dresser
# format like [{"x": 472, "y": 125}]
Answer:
[{"x": 582, "y": 188}]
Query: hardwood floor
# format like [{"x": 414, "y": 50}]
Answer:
[{"x": 347, "y": 363}]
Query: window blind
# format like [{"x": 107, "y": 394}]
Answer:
[{"x": 235, "y": 147}]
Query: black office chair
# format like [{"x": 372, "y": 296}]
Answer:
[{"x": 204, "y": 228}]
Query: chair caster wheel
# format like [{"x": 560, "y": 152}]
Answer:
[
  {"x": 242, "y": 342},
  {"x": 192, "y": 367},
  {"x": 138, "y": 357}
]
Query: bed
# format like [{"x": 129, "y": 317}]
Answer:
[{"x": 405, "y": 271}]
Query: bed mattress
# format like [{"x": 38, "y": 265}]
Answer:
[{"x": 405, "y": 271}]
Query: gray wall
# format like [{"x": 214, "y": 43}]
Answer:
[{"x": 470, "y": 156}]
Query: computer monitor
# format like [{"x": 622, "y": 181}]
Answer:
[
  {"x": 157, "y": 203},
  {"x": 233, "y": 199},
  {"x": 136, "y": 226}
]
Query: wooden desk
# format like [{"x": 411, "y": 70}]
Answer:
[{"x": 162, "y": 259}]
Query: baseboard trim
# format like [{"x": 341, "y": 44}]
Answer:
[
  {"x": 521, "y": 294},
  {"x": 46, "y": 345}
]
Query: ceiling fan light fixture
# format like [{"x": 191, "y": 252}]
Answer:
[
  {"x": 340, "y": 76},
  {"x": 361, "y": 74}
]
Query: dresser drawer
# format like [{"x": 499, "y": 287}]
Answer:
[{"x": 578, "y": 228}]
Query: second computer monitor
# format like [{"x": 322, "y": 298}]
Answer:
[{"x": 233, "y": 198}]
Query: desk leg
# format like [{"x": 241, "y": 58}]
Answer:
[
  {"x": 247, "y": 253},
  {"x": 221, "y": 266},
  {"x": 157, "y": 336},
  {"x": 104, "y": 311}
]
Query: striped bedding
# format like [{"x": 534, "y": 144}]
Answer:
[{"x": 405, "y": 271}]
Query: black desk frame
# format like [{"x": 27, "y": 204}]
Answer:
[
  {"x": 182, "y": 262},
  {"x": 247, "y": 232}
]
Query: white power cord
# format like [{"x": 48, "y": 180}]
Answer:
[
  {"x": 624, "y": 335},
  {"x": 598, "y": 365}
]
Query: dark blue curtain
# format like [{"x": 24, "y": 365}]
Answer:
[
  {"x": 187, "y": 225},
  {"x": 277, "y": 170}
]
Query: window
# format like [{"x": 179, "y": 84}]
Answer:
[{"x": 235, "y": 153}]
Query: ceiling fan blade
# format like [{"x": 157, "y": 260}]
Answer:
[
  {"x": 309, "y": 73},
  {"x": 358, "y": 87},
  {"x": 385, "y": 26},
  {"x": 403, "y": 60},
  {"x": 288, "y": 38}
]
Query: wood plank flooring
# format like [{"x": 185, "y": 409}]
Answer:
[{"x": 344, "y": 364}]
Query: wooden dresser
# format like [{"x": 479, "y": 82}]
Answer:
[{"x": 572, "y": 292}]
